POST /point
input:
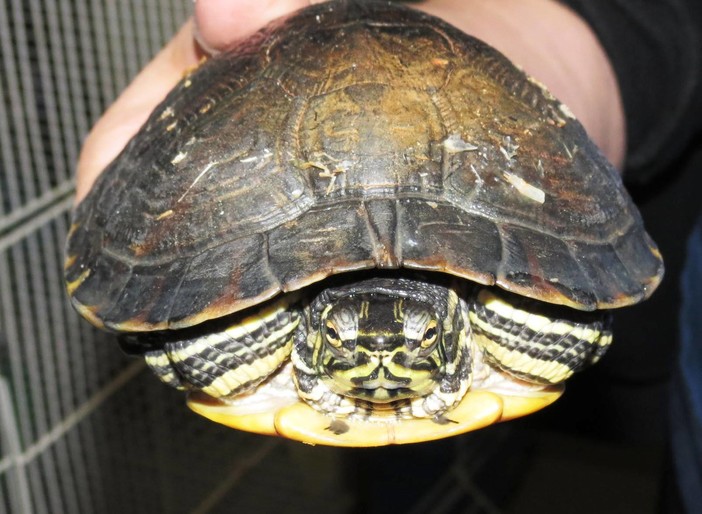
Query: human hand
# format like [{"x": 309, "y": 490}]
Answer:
[
  {"x": 559, "y": 49},
  {"x": 214, "y": 24},
  {"x": 546, "y": 39}
]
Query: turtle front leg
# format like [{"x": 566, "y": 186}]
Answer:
[
  {"x": 225, "y": 358},
  {"x": 534, "y": 341}
]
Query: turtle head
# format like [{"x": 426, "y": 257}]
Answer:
[{"x": 379, "y": 346}]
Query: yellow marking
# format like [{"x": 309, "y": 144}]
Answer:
[
  {"x": 398, "y": 310},
  {"x": 314, "y": 340},
  {"x": 342, "y": 381},
  {"x": 70, "y": 261},
  {"x": 89, "y": 313},
  {"x": 205, "y": 108},
  {"x": 246, "y": 326},
  {"x": 428, "y": 341},
  {"x": 234, "y": 332},
  {"x": 334, "y": 341},
  {"x": 260, "y": 368},
  {"x": 655, "y": 251},
  {"x": 326, "y": 310},
  {"x": 172, "y": 126},
  {"x": 317, "y": 348},
  {"x": 604, "y": 340},
  {"x": 500, "y": 334},
  {"x": 452, "y": 306},
  {"x": 365, "y": 304},
  {"x": 517, "y": 359},
  {"x": 533, "y": 321},
  {"x": 552, "y": 371},
  {"x": 191, "y": 69},
  {"x": 137, "y": 325},
  {"x": 160, "y": 360},
  {"x": 168, "y": 377},
  {"x": 556, "y": 328},
  {"x": 378, "y": 333},
  {"x": 72, "y": 229},
  {"x": 165, "y": 214},
  {"x": 75, "y": 284}
]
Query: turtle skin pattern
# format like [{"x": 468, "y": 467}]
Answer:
[{"x": 353, "y": 136}]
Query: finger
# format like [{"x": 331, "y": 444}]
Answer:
[
  {"x": 220, "y": 22},
  {"x": 124, "y": 117}
]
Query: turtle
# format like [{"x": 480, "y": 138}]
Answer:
[{"x": 360, "y": 226}]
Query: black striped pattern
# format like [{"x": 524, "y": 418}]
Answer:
[
  {"x": 229, "y": 360},
  {"x": 536, "y": 342}
]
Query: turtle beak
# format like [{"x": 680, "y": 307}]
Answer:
[
  {"x": 381, "y": 384},
  {"x": 381, "y": 378}
]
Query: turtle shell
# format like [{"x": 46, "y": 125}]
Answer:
[{"x": 352, "y": 136}]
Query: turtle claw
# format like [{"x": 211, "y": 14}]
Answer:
[
  {"x": 440, "y": 419},
  {"x": 338, "y": 427}
]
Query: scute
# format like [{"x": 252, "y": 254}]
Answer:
[{"x": 352, "y": 136}]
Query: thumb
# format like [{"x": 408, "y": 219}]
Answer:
[{"x": 220, "y": 22}]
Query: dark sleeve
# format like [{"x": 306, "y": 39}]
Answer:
[{"x": 655, "y": 47}]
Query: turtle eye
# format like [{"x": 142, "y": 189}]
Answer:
[
  {"x": 430, "y": 335},
  {"x": 332, "y": 335}
]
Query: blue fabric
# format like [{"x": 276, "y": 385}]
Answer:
[{"x": 686, "y": 401}]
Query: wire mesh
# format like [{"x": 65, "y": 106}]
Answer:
[{"x": 83, "y": 428}]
